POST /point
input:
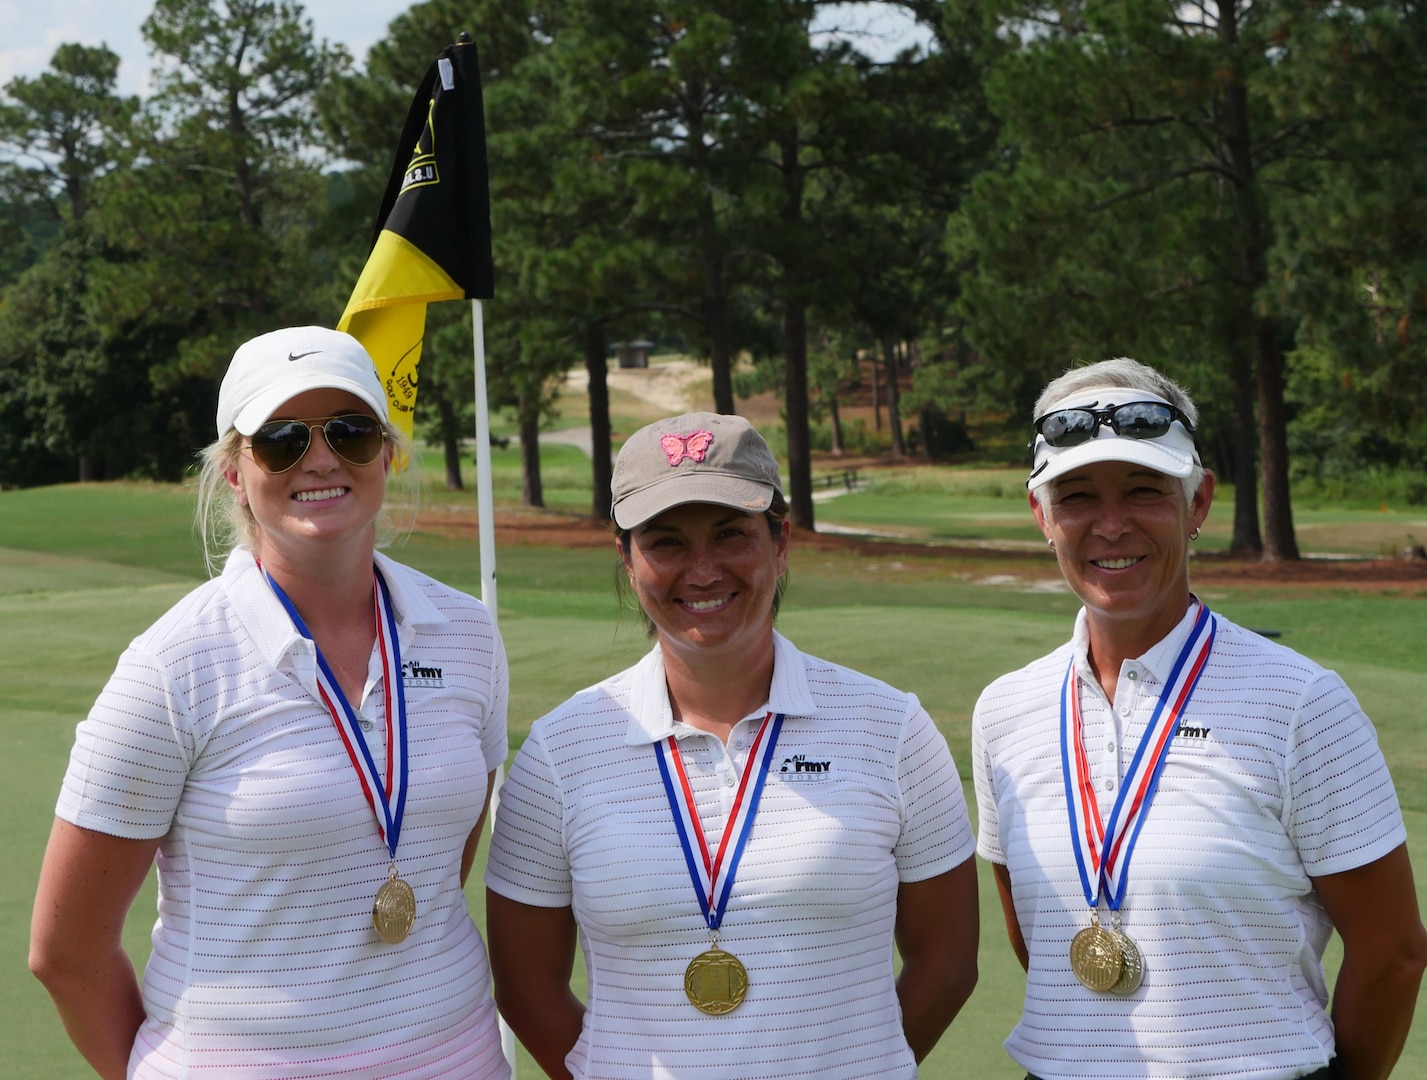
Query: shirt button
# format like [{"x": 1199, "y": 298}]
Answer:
[
  {"x": 1124, "y": 710},
  {"x": 1110, "y": 746},
  {"x": 367, "y": 725},
  {"x": 728, "y": 780},
  {"x": 738, "y": 744},
  {"x": 1132, "y": 675},
  {"x": 1110, "y": 785}
]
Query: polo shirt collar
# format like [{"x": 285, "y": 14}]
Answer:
[
  {"x": 651, "y": 717},
  {"x": 271, "y": 629},
  {"x": 1158, "y": 660}
]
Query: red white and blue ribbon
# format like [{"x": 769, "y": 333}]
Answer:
[
  {"x": 713, "y": 874},
  {"x": 386, "y": 795},
  {"x": 1103, "y": 847}
]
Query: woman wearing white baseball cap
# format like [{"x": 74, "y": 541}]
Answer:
[
  {"x": 1179, "y": 812},
  {"x": 737, "y": 830},
  {"x": 306, "y": 744}
]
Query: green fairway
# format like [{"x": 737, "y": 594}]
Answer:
[
  {"x": 951, "y": 505},
  {"x": 84, "y": 568}
]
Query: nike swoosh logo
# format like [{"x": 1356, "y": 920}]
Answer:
[{"x": 298, "y": 356}]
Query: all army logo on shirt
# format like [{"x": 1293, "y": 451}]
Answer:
[
  {"x": 414, "y": 674},
  {"x": 798, "y": 769}
]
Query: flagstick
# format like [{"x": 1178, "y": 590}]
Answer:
[
  {"x": 485, "y": 509},
  {"x": 485, "y": 522}
]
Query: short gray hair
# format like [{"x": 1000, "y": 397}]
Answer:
[{"x": 1131, "y": 375}]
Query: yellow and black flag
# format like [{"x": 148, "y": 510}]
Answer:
[{"x": 433, "y": 232}]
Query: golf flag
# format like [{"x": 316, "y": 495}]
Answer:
[{"x": 433, "y": 231}]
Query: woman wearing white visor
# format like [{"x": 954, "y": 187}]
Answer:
[{"x": 1179, "y": 812}]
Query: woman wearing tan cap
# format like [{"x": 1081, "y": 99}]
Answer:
[
  {"x": 1178, "y": 811},
  {"x": 306, "y": 744},
  {"x": 735, "y": 831}
]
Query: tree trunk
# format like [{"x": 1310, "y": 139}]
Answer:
[
  {"x": 795, "y": 340},
  {"x": 1261, "y": 330},
  {"x": 601, "y": 472},
  {"x": 876, "y": 393},
  {"x": 715, "y": 310},
  {"x": 835, "y": 420},
  {"x": 1279, "y": 542},
  {"x": 86, "y": 468},
  {"x": 894, "y": 415},
  {"x": 1246, "y": 540},
  {"x": 795, "y": 401},
  {"x": 450, "y": 442},
  {"x": 714, "y": 303},
  {"x": 532, "y": 492},
  {"x": 924, "y": 414}
]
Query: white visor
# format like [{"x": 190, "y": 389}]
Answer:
[{"x": 1173, "y": 453}]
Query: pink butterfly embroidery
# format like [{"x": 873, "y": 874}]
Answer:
[{"x": 695, "y": 447}]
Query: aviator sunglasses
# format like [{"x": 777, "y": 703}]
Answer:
[
  {"x": 354, "y": 437},
  {"x": 1132, "y": 420}
]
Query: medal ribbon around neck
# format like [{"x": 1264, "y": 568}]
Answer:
[
  {"x": 1103, "y": 852},
  {"x": 385, "y": 795},
  {"x": 713, "y": 877}
]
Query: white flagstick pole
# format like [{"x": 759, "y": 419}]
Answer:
[
  {"x": 485, "y": 521},
  {"x": 485, "y": 508}
]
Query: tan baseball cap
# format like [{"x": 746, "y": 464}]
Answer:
[
  {"x": 694, "y": 458},
  {"x": 275, "y": 367}
]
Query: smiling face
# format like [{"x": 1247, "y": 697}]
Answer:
[
  {"x": 322, "y": 501},
  {"x": 706, "y": 576},
  {"x": 1121, "y": 533}
]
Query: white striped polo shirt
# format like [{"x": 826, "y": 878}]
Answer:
[
  {"x": 861, "y": 795},
  {"x": 265, "y": 963},
  {"x": 1274, "y": 776}
]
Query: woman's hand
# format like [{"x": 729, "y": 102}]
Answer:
[
  {"x": 532, "y": 951},
  {"x": 87, "y": 884},
  {"x": 938, "y": 927},
  {"x": 1374, "y": 910},
  {"x": 468, "y": 856}
]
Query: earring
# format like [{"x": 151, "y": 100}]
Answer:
[
  {"x": 1050, "y": 543},
  {"x": 1195, "y": 534}
]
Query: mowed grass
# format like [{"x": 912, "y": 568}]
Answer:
[
  {"x": 84, "y": 568},
  {"x": 954, "y": 504}
]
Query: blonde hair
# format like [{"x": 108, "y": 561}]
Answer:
[{"x": 223, "y": 523}]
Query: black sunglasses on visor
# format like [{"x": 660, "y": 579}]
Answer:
[
  {"x": 1132, "y": 420},
  {"x": 354, "y": 437}
]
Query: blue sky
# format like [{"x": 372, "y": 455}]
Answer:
[{"x": 30, "y": 30}]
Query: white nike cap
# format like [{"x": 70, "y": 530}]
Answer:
[{"x": 276, "y": 367}]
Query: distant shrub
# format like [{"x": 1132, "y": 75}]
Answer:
[
  {"x": 1372, "y": 485},
  {"x": 856, "y": 437}
]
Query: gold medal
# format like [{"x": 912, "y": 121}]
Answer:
[
  {"x": 1132, "y": 969},
  {"x": 1096, "y": 957},
  {"x": 394, "y": 913},
  {"x": 715, "y": 982}
]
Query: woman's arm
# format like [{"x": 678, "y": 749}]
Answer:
[
  {"x": 532, "y": 952},
  {"x": 938, "y": 926},
  {"x": 87, "y": 884},
  {"x": 1008, "y": 908},
  {"x": 1374, "y": 910},
  {"x": 468, "y": 856}
]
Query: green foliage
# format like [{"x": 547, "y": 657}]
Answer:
[
  {"x": 63, "y": 129},
  {"x": 1211, "y": 190}
]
